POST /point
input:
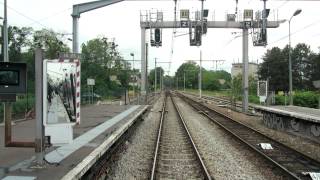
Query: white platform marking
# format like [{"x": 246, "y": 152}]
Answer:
[{"x": 64, "y": 151}]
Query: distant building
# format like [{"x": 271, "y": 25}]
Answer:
[{"x": 237, "y": 69}]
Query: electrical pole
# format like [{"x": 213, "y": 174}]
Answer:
[
  {"x": 5, "y": 34},
  {"x": 161, "y": 74},
  {"x": 155, "y": 75},
  {"x": 184, "y": 81},
  {"x": 146, "y": 73},
  {"x": 245, "y": 78},
  {"x": 200, "y": 75},
  {"x": 134, "y": 75},
  {"x": 160, "y": 79}
]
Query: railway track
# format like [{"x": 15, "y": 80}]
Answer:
[
  {"x": 223, "y": 101},
  {"x": 176, "y": 155},
  {"x": 291, "y": 162}
]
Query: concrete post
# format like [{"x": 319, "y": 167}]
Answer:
[
  {"x": 200, "y": 76},
  {"x": 146, "y": 74},
  {"x": 7, "y": 122},
  {"x": 155, "y": 75},
  {"x": 160, "y": 81},
  {"x": 184, "y": 81},
  {"x": 75, "y": 34},
  {"x": 39, "y": 106},
  {"x": 5, "y": 34},
  {"x": 134, "y": 75},
  {"x": 7, "y": 105},
  {"x": 143, "y": 62},
  {"x": 290, "y": 68},
  {"x": 245, "y": 76}
]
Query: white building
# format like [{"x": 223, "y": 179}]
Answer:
[{"x": 237, "y": 69}]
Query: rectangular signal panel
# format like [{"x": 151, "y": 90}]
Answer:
[{"x": 13, "y": 77}]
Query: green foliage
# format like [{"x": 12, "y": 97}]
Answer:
[
  {"x": 210, "y": 79},
  {"x": 254, "y": 99},
  {"x": 50, "y": 42},
  {"x": 301, "y": 98},
  {"x": 191, "y": 71},
  {"x": 275, "y": 69},
  {"x": 151, "y": 77},
  {"x": 305, "y": 68},
  {"x": 100, "y": 61},
  {"x": 21, "y": 106},
  {"x": 236, "y": 86},
  {"x": 306, "y": 99}
]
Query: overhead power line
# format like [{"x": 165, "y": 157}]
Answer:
[
  {"x": 25, "y": 16},
  {"x": 37, "y": 21},
  {"x": 51, "y": 16},
  {"x": 298, "y": 31}
]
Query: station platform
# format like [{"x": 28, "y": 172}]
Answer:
[
  {"x": 299, "y": 120},
  {"x": 100, "y": 127}
]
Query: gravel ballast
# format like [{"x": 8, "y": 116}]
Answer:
[
  {"x": 224, "y": 156},
  {"x": 134, "y": 160},
  {"x": 300, "y": 144}
]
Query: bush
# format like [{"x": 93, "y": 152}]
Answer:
[
  {"x": 300, "y": 98},
  {"x": 20, "y": 106},
  {"x": 306, "y": 99},
  {"x": 254, "y": 99}
]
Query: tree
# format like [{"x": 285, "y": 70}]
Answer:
[
  {"x": 50, "y": 42},
  {"x": 191, "y": 71},
  {"x": 210, "y": 79},
  {"x": 301, "y": 64},
  {"x": 275, "y": 69},
  {"x": 314, "y": 69},
  {"x": 236, "y": 86},
  {"x": 18, "y": 38},
  {"x": 100, "y": 60},
  {"x": 151, "y": 77}
]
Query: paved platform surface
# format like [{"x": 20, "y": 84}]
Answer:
[
  {"x": 308, "y": 114},
  {"x": 19, "y": 161}
]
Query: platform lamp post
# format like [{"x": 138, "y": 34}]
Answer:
[
  {"x": 298, "y": 11},
  {"x": 134, "y": 74}
]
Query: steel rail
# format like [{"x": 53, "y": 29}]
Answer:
[
  {"x": 220, "y": 99},
  {"x": 158, "y": 139},
  {"x": 205, "y": 110},
  {"x": 203, "y": 167},
  {"x": 155, "y": 159}
]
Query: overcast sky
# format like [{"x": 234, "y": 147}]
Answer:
[{"x": 122, "y": 22}]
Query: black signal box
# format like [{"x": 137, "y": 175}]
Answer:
[{"x": 13, "y": 78}]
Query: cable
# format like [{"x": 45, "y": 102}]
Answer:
[
  {"x": 51, "y": 16},
  {"x": 281, "y": 5},
  {"x": 300, "y": 30},
  {"x": 21, "y": 14}
]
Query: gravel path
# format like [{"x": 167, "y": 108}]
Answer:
[
  {"x": 225, "y": 157},
  {"x": 134, "y": 162}
]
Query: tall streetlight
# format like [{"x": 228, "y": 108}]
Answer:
[
  {"x": 134, "y": 83},
  {"x": 298, "y": 11}
]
